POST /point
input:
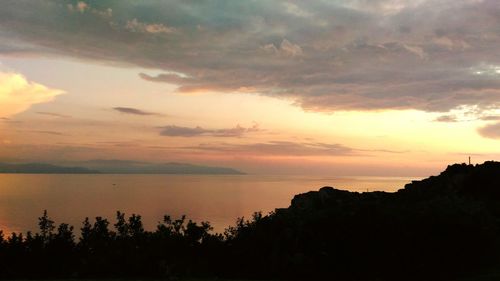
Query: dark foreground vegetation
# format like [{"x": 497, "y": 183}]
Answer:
[{"x": 444, "y": 227}]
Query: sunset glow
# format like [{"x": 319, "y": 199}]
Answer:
[{"x": 326, "y": 87}]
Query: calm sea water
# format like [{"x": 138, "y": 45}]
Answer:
[{"x": 214, "y": 198}]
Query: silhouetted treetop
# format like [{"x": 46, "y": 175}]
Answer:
[{"x": 439, "y": 228}]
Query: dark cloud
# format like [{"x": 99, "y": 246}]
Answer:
[
  {"x": 324, "y": 55},
  {"x": 491, "y": 131},
  {"x": 53, "y": 114},
  {"x": 135, "y": 111},
  {"x": 177, "y": 131}
]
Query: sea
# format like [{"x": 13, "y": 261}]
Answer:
[{"x": 218, "y": 199}]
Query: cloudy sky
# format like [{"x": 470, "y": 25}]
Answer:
[{"x": 352, "y": 87}]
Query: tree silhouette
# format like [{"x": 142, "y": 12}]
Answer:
[
  {"x": 46, "y": 227},
  {"x": 442, "y": 227}
]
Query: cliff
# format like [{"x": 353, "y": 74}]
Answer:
[{"x": 443, "y": 227}]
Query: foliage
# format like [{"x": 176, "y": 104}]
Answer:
[{"x": 439, "y": 228}]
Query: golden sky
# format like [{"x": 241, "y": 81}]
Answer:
[{"x": 317, "y": 87}]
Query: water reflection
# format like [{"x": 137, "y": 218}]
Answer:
[{"x": 215, "y": 198}]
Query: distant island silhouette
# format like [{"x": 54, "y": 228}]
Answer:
[
  {"x": 445, "y": 227},
  {"x": 115, "y": 167}
]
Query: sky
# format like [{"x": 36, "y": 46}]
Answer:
[{"x": 353, "y": 87}]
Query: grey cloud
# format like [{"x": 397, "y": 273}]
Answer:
[
  {"x": 290, "y": 148},
  {"x": 135, "y": 111},
  {"x": 324, "y": 55},
  {"x": 81, "y": 7},
  {"x": 119, "y": 143},
  {"x": 48, "y": 133},
  {"x": 446, "y": 118},
  {"x": 283, "y": 148},
  {"x": 389, "y": 151},
  {"x": 285, "y": 48},
  {"x": 237, "y": 131},
  {"x": 136, "y": 26},
  {"x": 164, "y": 77},
  {"x": 44, "y": 132},
  {"x": 53, "y": 114},
  {"x": 491, "y": 131},
  {"x": 472, "y": 115},
  {"x": 177, "y": 131},
  {"x": 490, "y": 118},
  {"x": 10, "y": 121}
]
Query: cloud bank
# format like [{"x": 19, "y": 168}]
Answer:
[
  {"x": 17, "y": 94},
  {"x": 324, "y": 55}
]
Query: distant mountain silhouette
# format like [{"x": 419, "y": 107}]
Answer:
[
  {"x": 137, "y": 167},
  {"x": 42, "y": 168},
  {"x": 116, "y": 167}
]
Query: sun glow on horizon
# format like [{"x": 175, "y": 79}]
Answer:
[{"x": 261, "y": 94}]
